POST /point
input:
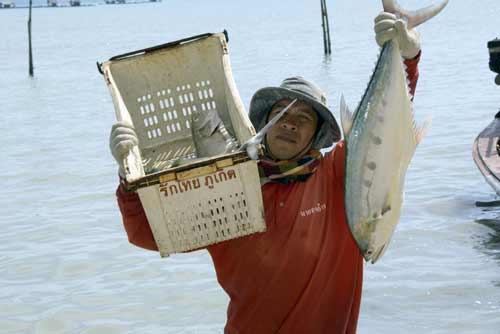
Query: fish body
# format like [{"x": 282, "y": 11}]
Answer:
[
  {"x": 381, "y": 137},
  {"x": 210, "y": 135}
]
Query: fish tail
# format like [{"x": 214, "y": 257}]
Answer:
[{"x": 414, "y": 18}]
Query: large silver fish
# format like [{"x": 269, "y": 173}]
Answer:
[{"x": 381, "y": 137}]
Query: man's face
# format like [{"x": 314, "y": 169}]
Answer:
[{"x": 293, "y": 132}]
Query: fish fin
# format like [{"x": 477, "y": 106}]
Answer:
[
  {"x": 378, "y": 216},
  {"x": 421, "y": 131},
  {"x": 346, "y": 117},
  {"x": 417, "y": 17},
  {"x": 274, "y": 120},
  {"x": 390, "y": 6},
  {"x": 259, "y": 137}
]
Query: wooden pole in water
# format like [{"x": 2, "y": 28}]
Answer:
[
  {"x": 326, "y": 28},
  {"x": 323, "y": 26},
  {"x": 29, "y": 42}
]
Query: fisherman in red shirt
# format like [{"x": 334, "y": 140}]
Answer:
[{"x": 304, "y": 274}]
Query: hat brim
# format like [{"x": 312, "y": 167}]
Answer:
[{"x": 263, "y": 100}]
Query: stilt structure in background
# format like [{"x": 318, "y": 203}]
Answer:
[
  {"x": 326, "y": 28},
  {"x": 29, "y": 37},
  {"x": 7, "y": 4}
]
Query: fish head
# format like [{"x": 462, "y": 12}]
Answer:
[
  {"x": 373, "y": 231},
  {"x": 205, "y": 123},
  {"x": 208, "y": 141}
]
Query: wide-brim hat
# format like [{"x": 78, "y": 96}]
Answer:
[{"x": 305, "y": 91}]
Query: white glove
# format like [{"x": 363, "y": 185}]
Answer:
[
  {"x": 121, "y": 140},
  {"x": 388, "y": 26}
]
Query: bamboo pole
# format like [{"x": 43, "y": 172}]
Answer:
[
  {"x": 325, "y": 45},
  {"x": 29, "y": 42},
  {"x": 326, "y": 28}
]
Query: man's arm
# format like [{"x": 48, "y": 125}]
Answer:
[
  {"x": 122, "y": 139},
  {"x": 135, "y": 220}
]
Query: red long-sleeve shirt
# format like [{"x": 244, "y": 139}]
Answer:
[{"x": 305, "y": 273}]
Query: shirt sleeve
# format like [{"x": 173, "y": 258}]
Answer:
[
  {"x": 335, "y": 164},
  {"x": 412, "y": 72},
  {"x": 134, "y": 220}
]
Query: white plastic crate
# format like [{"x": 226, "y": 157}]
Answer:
[{"x": 190, "y": 201}]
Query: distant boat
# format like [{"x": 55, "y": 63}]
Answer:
[
  {"x": 74, "y": 3},
  {"x": 7, "y": 4},
  {"x": 486, "y": 153},
  {"x": 486, "y": 147}
]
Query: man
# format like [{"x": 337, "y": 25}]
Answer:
[{"x": 304, "y": 274}]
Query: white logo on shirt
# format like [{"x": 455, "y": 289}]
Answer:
[{"x": 315, "y": 209}]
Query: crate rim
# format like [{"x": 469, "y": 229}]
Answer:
[
  {"x": 154, "y": 178},
  {"x": 159, "y": 47}
]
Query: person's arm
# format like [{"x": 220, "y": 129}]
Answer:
[
  {"x": 135, "y": 220},
  {"x": 122, "y": 139}
]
